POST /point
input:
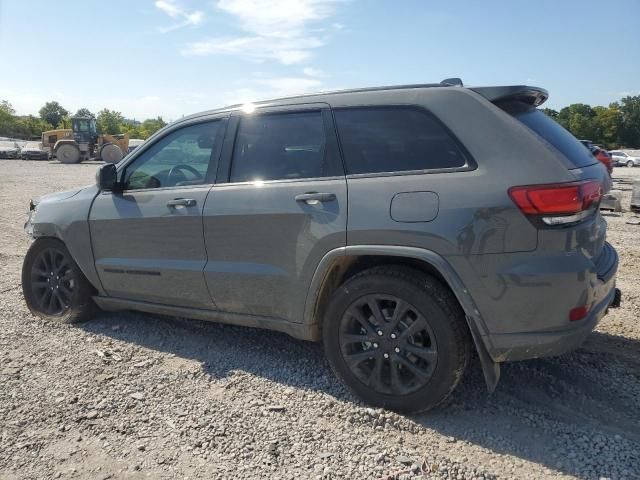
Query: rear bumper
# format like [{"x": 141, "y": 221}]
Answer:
[
  {"x": 553, "y": 333},
  {"x": 523, "y": 346}
]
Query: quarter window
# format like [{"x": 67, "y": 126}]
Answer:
[
  {"x": 281, "y": 146},
  {"x": 395, "y": 139},
  {"x": 183, "y": 157}
]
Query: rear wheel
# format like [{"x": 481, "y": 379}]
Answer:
[
  {"x": 630, "y": 164},
  {"x": 54, "y": 287},
  {"x": 397, "y": 338},
  {"x": 68, "y": 153}
]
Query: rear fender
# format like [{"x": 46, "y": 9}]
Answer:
[{"x": 491, "y": 370}]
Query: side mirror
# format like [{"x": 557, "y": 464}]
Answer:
[{"x": 107, "y": 177}]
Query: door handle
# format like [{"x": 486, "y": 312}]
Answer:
[
  {"x": 313, "y": 198},
  {"x": 181, "y": 202}
]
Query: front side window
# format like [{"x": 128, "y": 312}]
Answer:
[
  {"x": 180, "y": 158},
  {"x": 280, "y": 146},
  {"x": 395, "y": 139}
]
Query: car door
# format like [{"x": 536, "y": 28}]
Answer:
[
  {"x": 147, "y": 238},
  {"x": 281, "y": 207}
]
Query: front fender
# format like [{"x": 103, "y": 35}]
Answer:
[{"x": 65, "y": 216}]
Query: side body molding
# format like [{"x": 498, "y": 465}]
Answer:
[{"x": 477, "y": 326}]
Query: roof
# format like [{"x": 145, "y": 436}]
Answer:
[{"x": 531, "y": 95}]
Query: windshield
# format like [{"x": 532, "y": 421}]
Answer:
[
  {"x": 8, "y": 144},
  {"x": 34, "y": 146}
]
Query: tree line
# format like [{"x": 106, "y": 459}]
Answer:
[
  {"x": 53, "y": 115},
  {"x": 615, "y": 126}
]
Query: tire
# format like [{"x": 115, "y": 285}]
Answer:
[
  {"x": 434, "y": 326},
  {"x": 68, "y": 153},
  {"x": 72, "y": 301},
  {"x": 630, "y": 164},
  {"x": 111, "y": 153}
]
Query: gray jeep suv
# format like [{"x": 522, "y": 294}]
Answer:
[{"x": 405, "y": 227}]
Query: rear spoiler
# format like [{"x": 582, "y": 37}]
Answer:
[{"x": 522, "y": 93}]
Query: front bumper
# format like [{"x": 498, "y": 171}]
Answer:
[{"x": 535, "y": 344}]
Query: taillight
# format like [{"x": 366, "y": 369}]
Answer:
[{"x": 558, "y": 204}]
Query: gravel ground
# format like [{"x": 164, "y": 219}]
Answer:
[{"x": 140, "y": 396}]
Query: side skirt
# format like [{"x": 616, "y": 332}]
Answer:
[{"x": 296, "y": 330}]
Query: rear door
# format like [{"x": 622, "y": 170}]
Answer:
[
  {"x": 281, "y": 206},
  {"x": 147, "y": 240}
]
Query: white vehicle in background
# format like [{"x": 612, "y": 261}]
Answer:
[
  {"x": 9, "y": 149},
  {"x": 629, "y": 158},
  {"x": 134, "y": 143}
]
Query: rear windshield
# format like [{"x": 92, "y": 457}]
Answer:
[{"x": 575, "y": 154}]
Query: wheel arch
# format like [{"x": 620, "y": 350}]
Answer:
[
  {"x": 76, "y": 255},
  {"x": 340, "y": 264},
  {"x": 65, "y": 141}
]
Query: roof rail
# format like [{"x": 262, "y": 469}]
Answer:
[{"x": 452, "y": 82}]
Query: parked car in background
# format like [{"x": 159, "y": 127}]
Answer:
[
  {"x": 444, "y": 243},
  {"x": 9, "y": 149},
  {"x": 600, "y": 153},
  {"x": 134, "y": 143},
  {"x": 34, "y": 151},
  {"x": 625, "y": 159}
]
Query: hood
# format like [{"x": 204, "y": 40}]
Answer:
[{"x": 55, "y": 197}]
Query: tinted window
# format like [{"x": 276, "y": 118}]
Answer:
[
  {"x": 573, "y": 151},
  {"x": 280, "y": 146},
  {"x": 177, "y": 159},
  {"x": 395, "y": 139}
]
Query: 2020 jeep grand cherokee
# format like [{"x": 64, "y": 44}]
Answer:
[{"x": 403, "y": 226}]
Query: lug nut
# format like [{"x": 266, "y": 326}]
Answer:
[
  {"x": 386, "y": 355},
  {"x": 397, "y": 350},
  {"x": 375, "y": 345},
  {"x": 393, "y": 336},
  {"x": 380, "y": 332}
]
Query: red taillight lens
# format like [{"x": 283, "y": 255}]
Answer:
[
  {"x": 578, "y": 313},
  {"x": 556, "y": 199}
]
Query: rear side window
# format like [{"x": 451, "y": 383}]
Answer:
[
  {"x": 395, "y": 139},
  {"x": 574, "y": 153},
  {"x": 281, "y": 146}
]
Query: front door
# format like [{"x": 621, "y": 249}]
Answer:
[
  {"x": 283, "y": 208},
  {"x": 147, "y": 239}
]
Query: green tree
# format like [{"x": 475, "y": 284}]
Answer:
[
  {"x": 109, "y": 121},
  {"x": 7, "y": 120},
  {"x": 53, "y": 113},
  {"x": 630, "y": 121},
  {"x": 151, "y": 126},
  {"x": 608, "y": 123},
  {"x": 84, "y": 112}
]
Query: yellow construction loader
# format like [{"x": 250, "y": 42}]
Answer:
[{"x": 82, "y": 142}]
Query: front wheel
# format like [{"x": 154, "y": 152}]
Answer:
[
  {"x": 630, "y": 164},
  {"x": 68, "y": 153},
  {"x": 397, "y": 338},
  {"x": 53, "y": 285}
]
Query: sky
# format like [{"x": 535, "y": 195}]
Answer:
[{"x": 169, "y": 58}]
